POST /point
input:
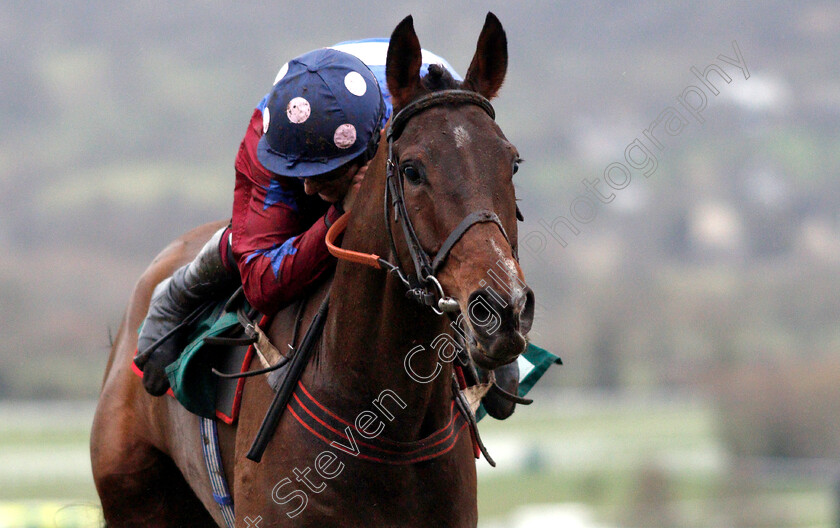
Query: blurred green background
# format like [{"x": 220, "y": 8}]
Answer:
[{"x": 696, "y": 313}]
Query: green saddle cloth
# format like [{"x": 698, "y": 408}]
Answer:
[
  {"x": 195, "y": 385},
  {"x": 191, "y": 375}
]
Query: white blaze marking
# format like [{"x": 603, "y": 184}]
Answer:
[
  {"x": 462, "y": 137},
  {"x": 515, "y": 289}
]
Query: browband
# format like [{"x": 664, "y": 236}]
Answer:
[{"x": 442, "y": 97}]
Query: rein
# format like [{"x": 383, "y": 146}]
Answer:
[{"x": 423, "y": 286}]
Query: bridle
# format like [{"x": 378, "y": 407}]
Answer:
[{"x": 423, "y": 285}]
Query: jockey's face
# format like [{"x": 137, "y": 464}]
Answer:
[{"x": 332, "y": 186}]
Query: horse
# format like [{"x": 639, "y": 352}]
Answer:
[{"x": 374, "y": 366}]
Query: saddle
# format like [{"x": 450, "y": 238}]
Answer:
[
  {"x": 218, "y": 342},
  {"x": 208, "y": 377}
]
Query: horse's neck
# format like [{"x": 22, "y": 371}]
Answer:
[
  {"x": 368, "y": 335},
  {"x": 371, "y": 329}
]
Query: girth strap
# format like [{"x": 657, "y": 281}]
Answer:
[{"x": 213, "y": 461}]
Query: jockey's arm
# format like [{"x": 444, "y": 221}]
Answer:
[
  {"x": 279, "y": 255},
  {"x": 282, "y": 271}
]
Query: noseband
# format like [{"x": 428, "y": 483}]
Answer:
[{"x": 423, "y": 286}]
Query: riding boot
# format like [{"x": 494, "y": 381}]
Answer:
[{"x": 160, "y": 343}]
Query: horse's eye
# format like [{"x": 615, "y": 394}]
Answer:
[
  {"x": 516, "y": 163},
  {"x": 412, "y": 174}
]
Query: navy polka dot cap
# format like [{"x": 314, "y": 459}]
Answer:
[{"x": 323, "y": 111}]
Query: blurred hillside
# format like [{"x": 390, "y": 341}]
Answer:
[{"x": 119, "y": 125}]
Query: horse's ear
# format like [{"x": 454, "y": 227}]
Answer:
[
  {"x": 489, "y": 64},
  {"x": 402, "y": 67}
]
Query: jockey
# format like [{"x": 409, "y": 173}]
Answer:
[{"x": 303, "y": 157}]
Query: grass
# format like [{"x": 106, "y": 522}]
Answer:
[
  {"x": 627, "y": 463},
  {"x": 638, "y": 463}
]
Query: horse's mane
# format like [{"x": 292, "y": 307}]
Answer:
[{"x": 439, "y": 78}]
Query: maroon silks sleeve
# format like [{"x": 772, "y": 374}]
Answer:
[{"x": 278, "y": 231}]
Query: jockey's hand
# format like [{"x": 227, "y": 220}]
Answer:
[{"x": 350, "y": 197}]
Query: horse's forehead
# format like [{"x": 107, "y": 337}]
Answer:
[
  {"x": 461, "y": 135},
  {"x": 463, "y": 128}
]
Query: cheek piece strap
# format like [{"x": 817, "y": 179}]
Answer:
[{"x": 422, "y": 285}]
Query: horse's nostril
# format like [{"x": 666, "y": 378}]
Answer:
[
  {"x": 484, "y": 312},
  {"x": 526, "y": 316},
  {"x": 488, "y": 314}
]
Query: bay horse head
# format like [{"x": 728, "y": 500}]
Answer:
[{"x": 451, "y": 174}]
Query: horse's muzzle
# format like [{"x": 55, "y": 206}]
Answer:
[{"x": 500, "y": 325}]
